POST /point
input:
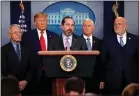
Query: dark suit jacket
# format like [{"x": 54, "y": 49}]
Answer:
[
  {"x": 78, "y": 43},
  {"x": 120, "y": 61},
  {"x": 32, "y": 39},
  {"x": 92, "y": 84},
  {"x": 23, "y": 69}
]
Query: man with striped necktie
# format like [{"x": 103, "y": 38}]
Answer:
[{"x": 120, "y": 58}]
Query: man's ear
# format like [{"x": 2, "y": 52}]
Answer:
[{"x": 9, "y": 35}]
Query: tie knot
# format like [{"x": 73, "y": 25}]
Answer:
[
  {"x": 67, "y": 38},
  {"x": 88, "y": 38},
  {"x": 121, "y": 37},
  {"x": 41, "y": 32},
  {"x": 17, "y": 45}
]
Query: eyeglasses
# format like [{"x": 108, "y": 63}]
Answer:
[{"x": 16, "y": 32}]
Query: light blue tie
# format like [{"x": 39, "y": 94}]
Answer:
[
  {"x": 89, "y": 44},
  {"x": 121, "y": 41}
]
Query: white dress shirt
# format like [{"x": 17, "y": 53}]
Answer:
[
  {"x": 45, "y": 37},
  {"x": 90, "y": 37},
  {"x": 64, "y": 40},
  {"x": 124, "y": 38}
]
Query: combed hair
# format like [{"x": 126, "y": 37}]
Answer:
[
  {"x": 40, "y": 14},
  {"x": 9, "y": 86},
  {"x": 88, "y": 19},
  {"x": 74, "y": 84},
  {"x": 67, "y": 17},
  {"x": 14, "y": 25},
  {"x": 131, "y": 90}
]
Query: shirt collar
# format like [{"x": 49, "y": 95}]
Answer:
[
  {"x": 90, "y": 37},
  {"x": 39, "y": 31},
  {"x": 124, "y": 35},
  {"x": 14, "y": 44},
  {"x": 64, "y": 37}
]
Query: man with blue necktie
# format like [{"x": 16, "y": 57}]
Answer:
[
  {"x": 17, "y": 59},
  {"x": 93, "y": 43},
  {"x": 120, "y": 58}
]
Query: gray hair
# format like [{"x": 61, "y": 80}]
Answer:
[
  {"x": 87, "y": 19},
  {"x": 14, "y": 25}
]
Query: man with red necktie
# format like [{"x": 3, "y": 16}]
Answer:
[{"x": 39, "y": 40}]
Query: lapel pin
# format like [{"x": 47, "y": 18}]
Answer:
[
  {"x": 129, "y": 38},
  {"x": 94, "y": 41}
]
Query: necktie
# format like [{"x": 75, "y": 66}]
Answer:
[
  {"x": 121, "y": 41},
  {"x": 67, "y": 44},
  {"x": 89, "y": 44},
  {"x": 42, "y": 42},
  {"x": 18, "y": 52}
]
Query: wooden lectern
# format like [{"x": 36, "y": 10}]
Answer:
[{"x": 51, "y": 61}]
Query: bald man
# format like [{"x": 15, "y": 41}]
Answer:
[
  {"x": 120, "y": 58},
  {"x": 93, "y": 43}
]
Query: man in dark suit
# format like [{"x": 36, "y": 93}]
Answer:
[
  {"x": 39, "y": 40},
  {"x": 93, "y": 43},
  {"x": 120, "y": 58},
  {"x": 68, "y": 40},
  {"x": 17, "y": 59}
]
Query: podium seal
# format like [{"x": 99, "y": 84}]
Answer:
[{"x": 68, "y": 63}]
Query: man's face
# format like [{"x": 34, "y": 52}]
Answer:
[
  {"x": 120, "y": 26},
  {"x": 15, "y": 34},
  {"x": 68, "y": 27},
  {"x": 88, "y": 27},
  {"x": 41, "y": 23}
]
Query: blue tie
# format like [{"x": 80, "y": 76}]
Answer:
[
  {"x": 89, "y": 44},
  {"x": 18, "y": 52},
  {"x": 121, "y": 41}
]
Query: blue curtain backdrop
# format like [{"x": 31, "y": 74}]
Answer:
[{"x": 16, "y": 11}]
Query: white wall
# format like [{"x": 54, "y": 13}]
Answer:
[
  {"x": 5, "y": 21},
  {"x": 132, "y": 15}
]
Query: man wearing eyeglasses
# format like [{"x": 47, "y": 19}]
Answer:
[{"x": 120, "y": 58}]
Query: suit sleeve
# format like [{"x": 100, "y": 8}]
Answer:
[
  {"x": 33, "y": 61},
  {"x": 104, "y": 59},
  {"x": 3, "y": 63}
]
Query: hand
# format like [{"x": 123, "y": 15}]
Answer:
[
  {"x": 22, "y": 84},
  {"x": 101, "y": 85}
]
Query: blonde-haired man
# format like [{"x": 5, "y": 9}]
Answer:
[{"x": 39, "y": 40}]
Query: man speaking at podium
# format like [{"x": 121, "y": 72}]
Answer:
[{"x": 68, "y": 41}]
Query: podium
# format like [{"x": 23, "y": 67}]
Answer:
[
  {"x": 51, "y": 60},
  {"x": 85, "y": 63}
]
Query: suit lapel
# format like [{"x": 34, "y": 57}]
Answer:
[
  {"x": 128, "y": 39},
  {"x": 94, "y": 43},
  {"x": 13, "y": 52},
  {"x": 73, "y": 41},
  {"x": 36, "y": 40},
  {"x": 61, "y": 43}
]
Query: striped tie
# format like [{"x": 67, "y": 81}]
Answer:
[{"x": 121, "y": 41}]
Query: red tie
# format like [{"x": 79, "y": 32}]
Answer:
[{"x": 42, "y": 42}]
